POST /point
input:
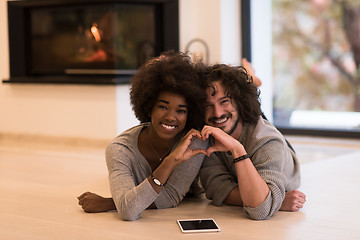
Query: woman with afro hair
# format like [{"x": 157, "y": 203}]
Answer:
[{"x": 153, "y": 164}]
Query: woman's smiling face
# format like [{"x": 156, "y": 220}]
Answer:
[{"x": 169, "y": 114}]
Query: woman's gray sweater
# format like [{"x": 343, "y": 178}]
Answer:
[{"x": 129, "y": 170}]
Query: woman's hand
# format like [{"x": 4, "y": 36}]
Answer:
[
  {"x": 93, "y": 203},
  {"x": 183, "y": 152},
  {"x": 248, "y": 66}
]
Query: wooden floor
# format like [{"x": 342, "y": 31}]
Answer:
[
  {"x": 39, "y": 185},
  {"x": 311, "y": 149}
]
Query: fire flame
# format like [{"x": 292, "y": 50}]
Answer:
[{"x": 95, "y": 32}]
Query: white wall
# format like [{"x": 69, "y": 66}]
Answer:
[
  {"x": 217, "y": 23},
  {"x": 100, "y": 112},
  {"x": 230, "y": 32},
  {"x": 58, "y": 110},
  {"x": 200, "y": 19}
]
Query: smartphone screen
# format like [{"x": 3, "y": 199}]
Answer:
[{"x": 198, "y": 225}]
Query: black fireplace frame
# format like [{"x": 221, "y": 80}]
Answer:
[{"x": 19, "y": 49}]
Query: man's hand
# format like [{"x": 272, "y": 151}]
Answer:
[
  {"x": 223, "y": 141},
  {"x": 293, "y": 201}
]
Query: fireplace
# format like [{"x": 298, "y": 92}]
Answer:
[{"x": 87, "y": 41}]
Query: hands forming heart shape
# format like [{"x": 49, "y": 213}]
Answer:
[{"x": 223, "y": 143}]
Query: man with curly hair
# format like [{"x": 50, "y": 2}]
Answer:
[{"x": 252, "y": 165}]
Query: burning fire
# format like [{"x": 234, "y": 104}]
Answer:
[{"x": 95, "y": 32}]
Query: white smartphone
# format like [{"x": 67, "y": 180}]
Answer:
[{"x": 198, "y": 225}]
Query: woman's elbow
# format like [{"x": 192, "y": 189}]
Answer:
[
  {"x": 126, "y": 216},
  {"x": 127, "y": 213}
]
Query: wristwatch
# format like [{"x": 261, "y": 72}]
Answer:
[{"x": 156, "y": 181}]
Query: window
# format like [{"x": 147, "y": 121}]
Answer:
[{"x": 315, "y": 64}]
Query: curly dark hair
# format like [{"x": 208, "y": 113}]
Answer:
[
  {"x": 174, "y": 72},
  {"x": 239, "y": 87}
]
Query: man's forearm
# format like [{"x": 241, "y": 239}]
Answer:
[{"x": 252, "y": 187}]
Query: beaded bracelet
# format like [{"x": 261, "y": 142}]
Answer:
[{"x": 243, "y": 157}]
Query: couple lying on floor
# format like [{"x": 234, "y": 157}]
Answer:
[{"x": 198, "y": 121}]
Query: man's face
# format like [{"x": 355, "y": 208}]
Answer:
[{"x": 220, "y": 111}]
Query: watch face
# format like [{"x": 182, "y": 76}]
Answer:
[{"x": 157, "y": 182}]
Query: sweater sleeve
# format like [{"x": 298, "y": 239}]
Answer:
[
  {"x": 270, "y": 160},
  {"x": 216, "y": 179},
  {"x": 130, "y": 198}
]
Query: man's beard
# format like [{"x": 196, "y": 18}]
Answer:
[
  {"x": 234, "y": 127},
  {"x": 229, "y": 115}
]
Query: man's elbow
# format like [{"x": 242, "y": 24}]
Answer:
[
  {"x": 262, "y": 212},
  {"x": 259, "y": 216}
]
